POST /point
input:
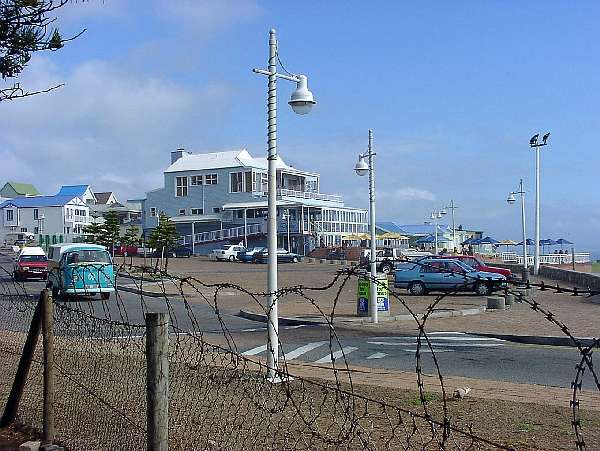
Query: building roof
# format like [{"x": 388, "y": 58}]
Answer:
[
  {"x": 413, "y": 229},
  {"x": 102, "y": 198},
  {"x": 227, "y": 159},
  {"x": 72, "y": 190},
  {"x": 24, "y": 189},
  {"x": 38, "y": 201}
]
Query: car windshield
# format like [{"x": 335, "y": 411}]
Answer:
[
  {"x": 33, "y": 258},
  {"x": 465, "y": 266},
  {"x": 88, "y": 256}
]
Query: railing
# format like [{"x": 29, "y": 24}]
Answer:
[
  {"x": 549, "y": 259},
  {"x": 223, "y": 234},
  {"x": 309, "y": 195}
]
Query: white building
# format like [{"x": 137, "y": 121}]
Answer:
[{"x": 60, "y": 216}]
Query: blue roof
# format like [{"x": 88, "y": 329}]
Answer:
[
  {"x": 72, "y": 190},
  {"x": 431, "y": 239},
  {"x": 388, "y": 226},
  {"x": 38, "y": 201}
]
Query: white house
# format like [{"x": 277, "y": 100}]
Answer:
[{"x": 63, "y": 216}]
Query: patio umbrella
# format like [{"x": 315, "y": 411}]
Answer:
[
  {"x": 507, "y": 243},
  {"x": 488, "y": 240},
  {"x": 562, "y": 241},
  {"x": 431, "y": 239},
  {"x": 528, "y": 241}
]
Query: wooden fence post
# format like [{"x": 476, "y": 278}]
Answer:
[
  {"x": 14, "y": 398},
  {"x": 157, "y": 381},
  {"x": 48, "y": 340}
]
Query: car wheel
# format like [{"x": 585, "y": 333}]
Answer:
[
  {"x": 483, "y": 289},
  {"x": 386, "y": 268},
  {"x": 295, "y": 260},
  {"x": 105, "y": 296},
  {"x": 417, "y": 288},
  {"x": 231, "y": 258}
]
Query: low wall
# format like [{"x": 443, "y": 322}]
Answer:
[{"x": 578, "y": 278}]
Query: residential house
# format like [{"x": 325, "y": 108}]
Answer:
[
  {"x": 106, "y": 198},
  {"x": 59, "y": 216},
  {"x": 223, "y": 195},
  {"x": 11, "y": 190},
  {"x": 84, "y": 192}
]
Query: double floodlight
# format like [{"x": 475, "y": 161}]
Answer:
[
  {"x": 533, "y": 142},
  {"x": 511, "y": 198}
]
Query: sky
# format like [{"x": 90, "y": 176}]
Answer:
[{"x": 452, "y": 90}]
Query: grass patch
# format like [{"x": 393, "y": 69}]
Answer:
[{"x": 596, "y": 267}]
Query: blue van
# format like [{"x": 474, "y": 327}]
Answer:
[{"x": 80, "y": 269}]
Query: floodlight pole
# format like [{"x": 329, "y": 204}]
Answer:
[
  {"x": 373, "y": 284},
  {"x": 453, "y": 207},
  {"x": 536, "y": 146}
]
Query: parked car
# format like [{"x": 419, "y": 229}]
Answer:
[
  {"x": 80, "y": 269},
  {"x": 478, "y": 265},
  {"x": 445, "y": 274},
  {"x": 174, "y": 252},
  {"x": 126, "y": 251},
  {"x": 249, "y": 256},
  {"x": 145, "y": 251},
  {"x": 31, "y": 262},
  {"x": 227, "y": 252},
  {"x": 385, "y": 258},
  {"x": 283, "y": 256}
]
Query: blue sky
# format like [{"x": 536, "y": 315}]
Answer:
[{"x": 452, "y": 90}]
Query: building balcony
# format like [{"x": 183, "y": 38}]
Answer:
[{"x": 290, "y": 194}]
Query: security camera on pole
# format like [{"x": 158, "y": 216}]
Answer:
[
  {"x": 301, "y": 102},
  {"x": 534, "y": 144}
]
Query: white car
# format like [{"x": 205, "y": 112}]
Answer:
[{"x": 229, "y": 252}]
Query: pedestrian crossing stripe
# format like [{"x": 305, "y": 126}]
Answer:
[{"x": 336, "y": 355}]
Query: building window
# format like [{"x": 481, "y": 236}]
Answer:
[
  {"x": 197, "y": 211},
  {"x": 35, "y": 213},
  {"x": 260, "y": 180},
  {"x": 182, "y": 212},
  {"x": 36, "y": 230},
  {"x": 248, "y": 181},
  {"x": 196, "y": 180},
  {"x": 9, "y": 215},
  {"x": 240, "y": 214},
  {"x": 216, "y": 210},
  {"x": 210, "y": 179},
  {"x": 23, "y": 229},
  {"x": 236, "y": 182},
  {"x": 181, "y": 186},
  {"x": 153, "y": 212}
]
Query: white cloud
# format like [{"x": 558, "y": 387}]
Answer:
[
  {"x": 107, "y": 126},
  {"x": 208, "y": 15},
  {"x": 406, "y": 193}
]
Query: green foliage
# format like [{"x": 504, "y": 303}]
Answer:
[
  {"x": 26, "y": 28},
  {"x": 165, "y": 235},
  {"x": 110, "y": 232},
  {"x": 132, "y": 236},
  {"x": 92, "y": 233}
]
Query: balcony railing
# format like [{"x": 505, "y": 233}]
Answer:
[
  {"x": 223, "y": 234},
  {"x": 549, "y": 259},
  {"x": 309, "y": 195}
]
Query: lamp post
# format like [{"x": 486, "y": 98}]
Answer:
[
  {"x": 362, "y": 168},
  {"x": 534, "y": 144},
  {"x": 286, "y": 216},
  {"x": 451, "y": 206},
  {"x": 511, "y": 200},
  {"x": 435, "y": 215},
  {"x": 301, "y": 102}
]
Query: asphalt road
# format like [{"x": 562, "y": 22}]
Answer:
[{"x": 458, "y": 354}]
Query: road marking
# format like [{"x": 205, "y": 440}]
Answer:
[
  {"x": 303, "y": 350},
  {"x": 258, "y": 329},
  {"x": 427, "y": 350},
  {"x": 256, "y": 350},
  {"x": 437, "y": 344},
  {"x": 337, "y": 354},
  {"x": 377, "y": 355}
]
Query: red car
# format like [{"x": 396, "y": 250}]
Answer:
[
  {"x": 31, "y": 266},
  {"x": 478, "y": 265},
  {"x": 126, "y": 251}
]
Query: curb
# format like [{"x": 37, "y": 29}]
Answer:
[
  {"x": 548, "y": 340},
  {"x": 365, "y": 320}
]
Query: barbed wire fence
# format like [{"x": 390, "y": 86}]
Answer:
[{"x": 219, "y": 398}]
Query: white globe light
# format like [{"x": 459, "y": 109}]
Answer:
[
  {"x": 432, "y": 215},
  {"x": 302, "y": 99},
  {"x": 361, "y": 168}
]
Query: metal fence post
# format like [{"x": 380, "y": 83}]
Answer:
[
  {"x": 48, "y": 340},
  {"x": 157, "y": 381},
  {"x": 12, "y": 403}
]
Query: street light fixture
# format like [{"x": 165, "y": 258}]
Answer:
[
  {"x": 435, "y": 215},
  {"x": 451, "y": 206},
  {"x": 534, "y": 144},
  {"x": 361, "y": 169},
  {"x": 301, "y": 102},
  {"x": 511, "y": 200}
]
